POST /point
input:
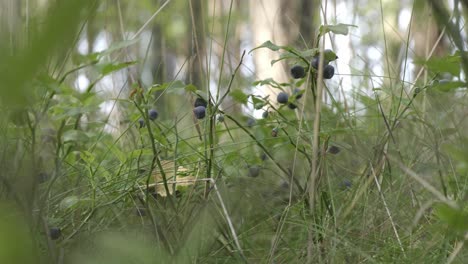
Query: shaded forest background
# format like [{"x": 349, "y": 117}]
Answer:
[{"x": 105, "y": 159}]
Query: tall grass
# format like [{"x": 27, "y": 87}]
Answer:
[{"x": 383, "y": 181}]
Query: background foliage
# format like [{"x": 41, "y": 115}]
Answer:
[{"x": 368, "y": 166}]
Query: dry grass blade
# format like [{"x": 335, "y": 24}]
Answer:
[{"x": 425, "y": 184}]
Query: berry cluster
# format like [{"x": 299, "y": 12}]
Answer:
[
  {"x": 152, "y": 115},
  {"x": 328, "y": 70},
  {"x": 199, "y": 109},
  {"x": 284, "y": 98},
  {"x": 299, "y": 72}
]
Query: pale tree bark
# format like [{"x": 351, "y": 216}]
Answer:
[
  {"x": 427, "y": 36},
  {"x": 197, "y": 74},
  {"x": 271, "y": 20},
  {"x": 10, "y": 21},
  {"x": 392, "y": 43},
  {"x": 309, "y": 21},
  {"x": 283, "y": 22},
  {"x": 226, "y": 51}
]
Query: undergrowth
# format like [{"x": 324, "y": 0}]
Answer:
[{"x": 382, "y": 179}]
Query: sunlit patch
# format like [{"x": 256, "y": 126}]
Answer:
[
  {"x": 82, "y": 83},
  {"x": 404, "y": 19},
  {"x": 102, "y": 42}
]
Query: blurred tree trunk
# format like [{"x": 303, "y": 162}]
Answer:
[
  {"x": 426, "y": 32},
  {"x": 10, "y": 21},
  {"x": 284, "y": 23},
  {"x": 226, "y": 51},
  {"x": 270, "y": 21},
  {"x": 309, "y": 19},
  {"x": 159, "y": 67},
  {"x": 197, "y": 76},
  {"x": 392, "y": 43}
]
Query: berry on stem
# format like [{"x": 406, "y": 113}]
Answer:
[
  {"x": 333, "y": 149},
  {"x": 254, "y": 171},
  {"x": 141, "y": 122},
  {"x": 200, "y": 112},
  {"x": 200, "y": 102},
  {"x": 328, "y": 71},
  {"x": 298, "y": 93},
  {"x": 140, "y": 211},
  {"x": 282, "y": 98},
  {"x": 315, "y": 62},
  {"x": 274, "y": 132},
  {"x": 251, "y": 122},
  {"x": 153, "y": 114},
  {"x": 54, "y": 233},
  {"x": 298, "y": 72},
  {"x": 292, "y": 106}
]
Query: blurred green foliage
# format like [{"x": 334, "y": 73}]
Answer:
[{"x": 102, "y": 179}]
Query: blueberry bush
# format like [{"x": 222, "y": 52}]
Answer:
[{"x": 207, "y": 170}]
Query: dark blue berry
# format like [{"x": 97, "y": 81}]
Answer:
[
  {"x": 200, "y": 102},
  {"x": 315, "y": 62},
  {"x": 140, "y": 211},
  {"x": 200, "y": 112},
  {"x": 328, "y": 71},
  {"x": 265, "y": 114},
  {"x": 141, "y": 122},
  {"x": 346, "y": 184},
  {"x": 298, "y": 72},
  {"x": 259, "y": 106},
  {"x": 298, "y": 93},
  {"x": 153, "y": 114},
  {"x": 292, "y": 106},
  {"x": 333, "y": 150},
  {"x": 330, "y": 54},
  {"x": 251, "y": 122},
  {"x": 282, "y": 98},
  {"x": 54, "y": 233},
  {"x": 274, "y": 132},
  {"x": 254, "y": 171},
  {"x": 42, "y": 177}
]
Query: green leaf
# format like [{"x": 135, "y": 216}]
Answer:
[
  {"x": 330, "y": 55},
  {"x": 269, "y": 45},
  {"x": 341, "y": 29},
  {"x": 139, "y": 153},
  {"x": 107, "y": 68},
  {"x": 190, "y": 88},
  {"x": 456, "y": 219},
  {"x": 75, "y": 135},
  {"x": 239, "y": 96},
  {"x": 448, "y": 86},
  {"x": 51, "y": 38},
  {"x": 293, "y": 54},
  {"x": 257, "y": 102},
  {"x": 171, "y": 87},
  {"x": 69, "y": 202},
  {"x": 270, "y": 82},
  {"x": 202, "y": 94},
  {"x": 79, "y": 59},
  {"x": 283, "y": 56},
  {"x": 114, "y": 47},
  {"x": 301, "y": 82},
  {"x": 308, "y": 53},
  {"x": 450, "y": 64}
]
